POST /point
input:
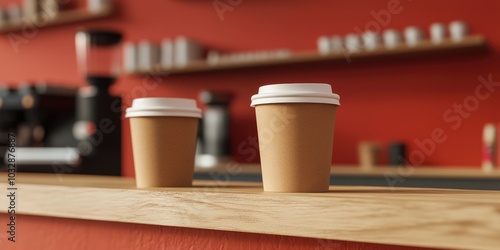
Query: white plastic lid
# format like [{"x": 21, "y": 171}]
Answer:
[
  {"x": 296, "y": 93},
  {"x": 156, "y": 106}
]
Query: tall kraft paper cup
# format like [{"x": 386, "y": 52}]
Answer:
[
  {"x": 295, "y": 125},
  {"x": 164, "y": 141}
]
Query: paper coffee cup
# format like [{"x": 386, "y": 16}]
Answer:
[
  {"x": 371, "y": 40},
  {"x": 336, "y": 44},
  {"x": 353, "y": 42},
  {"x": 458, "y": 31},
  {"x": 413, "y": 36},
  {"x": 392, "y": 38},
  {"x": 323, "y": 44},
  {"x": 295, "y": 125},
  {"x": 438, "y": 32},
  {"x": 164, "y": 134}
]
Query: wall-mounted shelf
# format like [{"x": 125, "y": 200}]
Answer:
[
  {"x": 470, "y": 44},
  {"x": 64, "y": 17}
]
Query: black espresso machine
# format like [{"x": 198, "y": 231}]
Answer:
[{"x": 68, "y": 130}]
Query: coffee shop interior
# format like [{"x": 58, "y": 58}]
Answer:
[{"x": 412, "y": 160}]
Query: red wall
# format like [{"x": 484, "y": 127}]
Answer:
[
  {"x": 35, "y": 232},
  {"x": 383, "y": 100}
]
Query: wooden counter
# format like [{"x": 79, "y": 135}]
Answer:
[{"x": 456, "y": 219}]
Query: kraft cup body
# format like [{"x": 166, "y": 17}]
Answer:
[
  {"x": 164, "y": 132},
  {"x": 164, "y": 150},
  {"x": 295, "y": 143},
  {"x": 295, "y": 124}
]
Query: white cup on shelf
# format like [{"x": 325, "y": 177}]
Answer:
[
  {"x": 353, "y": 42},
  {"x": 323, "y": 44},
  {"x": 98, "y": 5},
  {"x": 186, "y": 50},
  {"x": 413, "y": 36},
  {"x": 371, "y": 40},
  {"x": 458, "y": 30},
  {"x": 283, "y": 53},
  {"x": 437, "y": 32},
  {"x": 167, "y": 54},
  {"x": 392, "y": 38},
  {"x": 149, "y": 56},
  {"x": 336, "y": 44},
  {"x": 213, "y": 57},
  {"x": 130, "y": 57},
  {"x": 31, "y": 7}
]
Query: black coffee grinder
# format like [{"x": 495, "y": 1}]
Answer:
[
  {"x": 52, "y": 138},
  {"x": 98, "y": 125}
]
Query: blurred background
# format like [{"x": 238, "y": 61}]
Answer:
[{"x": 385, "y": 99}]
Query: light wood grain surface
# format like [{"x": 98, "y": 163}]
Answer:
[
  {"x": 472, "y": 43},
  {"x": 456, "y": 219}
]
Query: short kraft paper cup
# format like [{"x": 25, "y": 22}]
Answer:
[
  {"x": 295, "y": 124},
  {"x": 164, "y": 134}
]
